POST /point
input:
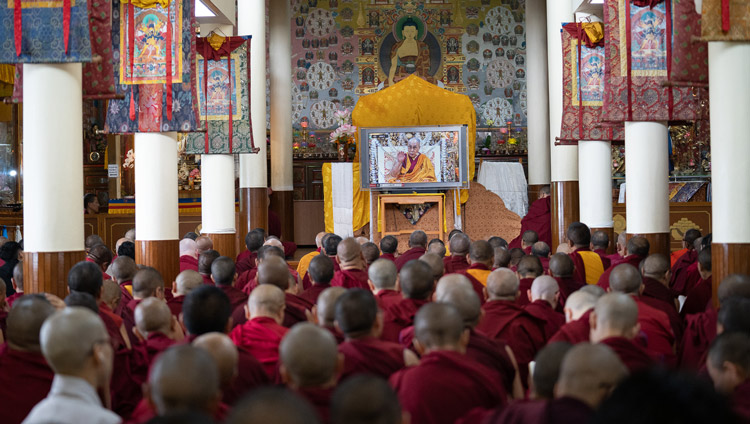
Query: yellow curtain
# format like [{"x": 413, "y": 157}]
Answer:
[
  {"x": 413, "y": 101},
  {"x": 358, "y": 215},
  {"x": 7, "y": 74}
]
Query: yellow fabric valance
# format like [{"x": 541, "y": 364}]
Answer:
[{"x": 148, "y": 4}]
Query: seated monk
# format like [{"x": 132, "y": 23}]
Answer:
[
  {"x": 358, "y": 317},
  {"x": 538, "y": 218},
  {"x": 589, "y": 266},
  {"x": 734, "y": 316},
  {"x": 25, "y": 377},
  {"x": 275, "y": 271},
  {"x": 636, "y": 251},
  {"x": 111, "y": 297},
  {"x": 654, "y": 323},
  {"x": 529, "y": 267},
  {"x": 528, "y": 238},
  {"x": 388, "y": 248},
  {"x": 698, "y": 298},
  {"x": 729, "y": 368},
  {"x": 446, "y": 384},
  {"x": 457, "y": 290},
  {"x": 544, "y": 296},
  {"x": 496, "y": 242},
  {"x": 146, "y": 283},
  {"x": 562, "y": 269},
  {"x": 417, "y": 248},
  {"x": 600, "y": 244},
  {"x": 620, "y": 247},
  {"x": 185, "y": 282},
  {"x": 577, "y": 310},
  {"x": 417, "y": 286},
  {"x": 436, "y": 265},
  {"x": 188, "y": 255},
  {"x": 502, "y": 258},
  {"x": 310, "y": 365},
  {"x": 542, "y": 251},
  {"x": 102, "y": 257},
  {"x": 547, "y": 364},
  {"x": 656, "y": 291},
  {"x": 614, "y": 323},
  {"x": 247, "y": 280},
  {"x": 17, "y": 282},
  {"x": 481, "y": 257},
  {"x": 83, "y": 300},
  {"x": 262, "y": 333},
  {"x": 504, "y": 319},
  {"x": 76, "y": 346},
  {"x": 226, "y": 356},
  {"x": 370, "y": 252},
  {"x": 204, "y": 244},
  {"x": 321, "y": 274},
  {"x": 383, "y": 281},
  {"x": 123, "y": 270},
  {"x": 253, "y": 241},
  {"x": 457, "y": 261},
  {"x": 304, "y": 261},
  {"x": 224, "y": 277},
  {"x": 366, "y": 399},
  {"x": 273, "y": 404},
  {"x": 688, "y": 248},
  {"x": 353, "y": 268},
  {"x": 156, "y": 328},
  {"x": 437, "y": 247},
  {"x": 412, "y": 167},
  {"x": 324, "y": 312},
  {"x": 588, "y": 374},
  {"x": 207, "y": 310},
  {"x": 515, "y": 256},
  {"x": 205, "y": 261}
]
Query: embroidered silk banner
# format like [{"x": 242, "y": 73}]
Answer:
[
  {"x": 156, "y": 48},
  {"x": 689, "y": 54},
  {"x": 222, "y": 72},
  {"x": 44, "y": 31},
  {"x": 583, "y": 89},
  {"x": 639, "y": 58},
  {"x": 726, "y": 20}
]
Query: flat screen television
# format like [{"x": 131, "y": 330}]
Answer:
[{"x": 414, "y": 158}]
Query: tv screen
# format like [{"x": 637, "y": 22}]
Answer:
[{"x": 433, "y": 157}]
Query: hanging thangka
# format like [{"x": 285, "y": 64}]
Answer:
[
  {"x": 583, "y": 85},
  {"x": 222, "y": 71},
  {"x": 726, "y": 20},
  {"x": 156, "y": 48},
  {"x": 640, "y": 55}
]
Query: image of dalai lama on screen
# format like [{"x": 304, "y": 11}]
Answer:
[{"x": 412, "y": 166}]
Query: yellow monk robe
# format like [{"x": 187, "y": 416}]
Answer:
[
  {"x": 304, "y": 263},
  {"x": 418, "y": 170},
  {"x": 481, "y": 275},
  {"x": 592, "y": 263}
]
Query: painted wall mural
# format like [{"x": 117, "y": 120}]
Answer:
[{"x": 344, "y": 49}]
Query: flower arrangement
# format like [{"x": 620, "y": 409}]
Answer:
[
  {"x": 195, "y": 174},
  {"x": 129, "y": 160},
  {"x": 344, "y": 134}
]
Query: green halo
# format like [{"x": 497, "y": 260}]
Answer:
[{"x": 398, "y": 28}]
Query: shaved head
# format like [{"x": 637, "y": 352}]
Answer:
[
  {"x": 273, "y": 405},
  {"x": 326, "y": 305},
  {"x": 503, "y": 284},
  {"x": 274, "y": 271},
  {"x": 437, "y": 247},
  {"x": 580, "y": 302},
  {"x": 370, "y": 251},
  {"x": 481, "y": 252},
  {"x": 502, "y": 258},
  {"x": 223, "y": 271},
  {"x": 593, "y": 290},
  {"x": 547, "y": 369},
  {"x": 460, "y": 293},
  {"x": 418, "y": 239},
  {"x": 321, "y": 269},
  {"x": 638, "y": 246},
  {"x": 561, "y": 265},
  {"x": 616, "y": 315},
  {"x": 416, "y": 280},
  {"x": 625, "y": 278},
  {"x": 383, "y": 274},
  {"x": 589, "y": 372},
  {"x": 153, "y": 315},
  {"x": 184, "y": 378},
  {"x": 438, "y": 326},
  {"x": 25, "y": 321},
  {"x": 18, "y": 277},
  {"x": 146, "y": 282},
  {"x": 188, "y": 247},
  {"x": 600, "y": 239},
  {"x": 205, "y": 260},
  {"x": 348, "y": 250},
  {"x": 655, "y": 266},
  {"x": 541, "y": 249},
  {"x": 68, "y": 339},
  {"x": 529, "y": 267},
  {"x": 123, "y": 269},
  {"x": 309, "y": 356},
  {"x": 223, "y": 351},
  {"x": 203, "y": 244},
  {"x": 365, "y": 399},
  {"x": 734, "y": 285},
  {"x": 545, "y": 288},
  {"x": 529, "y": 237},
  {"x": 266, "y": 300},
  {"x": 460, "y": 244},
  {"x": 436, "y": 264},
  {"x": 188, "y": 281},
  {"x": 388, "y": 244},
  {"x": 356, "y": 312},
  {"x": 273, "y": 241},
  {"x": 319, "y": 238},
  {"x": 111, "y": 293}
]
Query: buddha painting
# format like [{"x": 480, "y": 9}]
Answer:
[{"x": 410, "y": 55}]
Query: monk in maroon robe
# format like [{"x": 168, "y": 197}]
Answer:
[
  {"x": 156, "y": 329},
  {"x": 247, "y": 281},
  {"x": 538, "y": 219},
  {"x": 700, "y": 295},
  {"x": 561, "y": 267},
  {"x": 729, "y": 367},
  {"x": 446, "y": 384},
  {"x": 417, "y": 248},
  {"x": 577, "y": 310},
  {"x": 691, "y": 244},
  {"x": 544, "y": 295},
  {"x": 253, "y": 241},
  {"x": 353, "y": 268},
  {"x": 325, "y": 311},
  {"x": 588, "y": 265},
  {"x": 320, "y": 272},
  {"x": 382, "y": 278},
  {"x": 481, "y": 256},
  {"x": 185, "y": 282},
  {"x": 656, "y": 291},
  {"x": 417, "y": 285},
  {"x": 224, "y": 276},
  {"x": 25, "y": 377},
  {"x": 188, "y": 255},
  {"x": 459, "y": 247},
  {"x": 529, "y": 267},
  {"x": 205, "y": 260},
  {"x": 635, "y": 252},
  {"x": 388, "y": 248}
]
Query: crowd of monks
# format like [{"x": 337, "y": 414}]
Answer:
[{"x": 468, "y": 331}]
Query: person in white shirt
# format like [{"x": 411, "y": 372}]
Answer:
[{"x": 76, "y": 346}]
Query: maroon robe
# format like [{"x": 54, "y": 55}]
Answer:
[
  {"x": 387, "y": 298},
  {"x": 445, "y": 386},
  {"x": 144, "y": 413},
  {"x": 542, "y": 311},
  {"x": 741, "y": 401},
  {"x": 545, "y": 263},
  {"x": 25, "y": 379},
  {"x": 369, "y": 355},
  {"x": 311, "y": 295},
  {"x": 661, "y": 297},
  {"x": 659, "y": 336},
  {"x": 631, "y": 354},
  {"x": 565, "y": 410},
  {"x": 412, "y": 254},
  {"x": 12, "y": 298},
  {"x": 261, "y": 337},
  {"x": 112, "y": 323},
  {"x": 567, "y": 286},
  {"x": 175, "y": 305},
  {"x": 245, "y": 279},
  {"x": 236, "y": 296},
  {"x": 307, "y": 282},
  {"x": 207, "y": 280},
  {"x": 154, "y": 344},
  {"x": 295, "y": 310},
  {"x": 320, "y": 399},
  {"x": 492, "y": 354},
  {"x": 390, "y": 256},
  {"x": 245, "y": 261},
  {"x": 133, "y": 304},
  {"x": 698, "y": 298},
  {"x": 524, "y": 286},
  {"x": 454, "y": 264},
  {"x": 539, "y": 219},
  {"x": 400, "y": 316},
  {"x": 336, "y": 333},
  {"x": 188, "y": 262},
  {"x": 679, "y": 271},
  {"x": 700, "y": 331},
  {"x": 350, "y": 278},
  {"x": 574, "y": 332},
  {"x": 605, "y": 257},
  {"x": 580, "y": 269},
  {"x": 634, "y": 260},
  {"x": 250, "y": 375}
]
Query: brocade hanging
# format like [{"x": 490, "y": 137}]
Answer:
[{"x": 726, "y": 20}]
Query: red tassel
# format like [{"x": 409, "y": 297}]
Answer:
[
  {"x": 66, "y": 24},
  {"x": 725, "y": 24},
  {"x": 17, "y": 26}
]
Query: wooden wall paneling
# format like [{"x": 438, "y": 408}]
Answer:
[
  {"x": 164, "y": 255},
  {"x": 225, "y": 244},
  {"x": 47, "y": 272},
  {"x": 612, "y": 238},
  {"x": 283, "y": 204},
  {"x": 253, "y": 209},
  {"x": 309, "y": 220},
  {"x": 727, "y": 259}
]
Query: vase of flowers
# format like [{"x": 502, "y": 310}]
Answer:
[{"x": 343, "y": 136}]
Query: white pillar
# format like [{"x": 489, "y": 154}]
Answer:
[
  {"x": 156, "y": 207},
  {"x": 729, "y": 64},
  {"x": 52, "y": 158},
  {"x": 537, "y": 92},
  {"x": 251, "y": 16},
  {"x": 595, "y": 183},
  {"x": 280, "y": 52},
  {"x": 646, "y": 177},
  {"x": 217, "y": 194}
]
